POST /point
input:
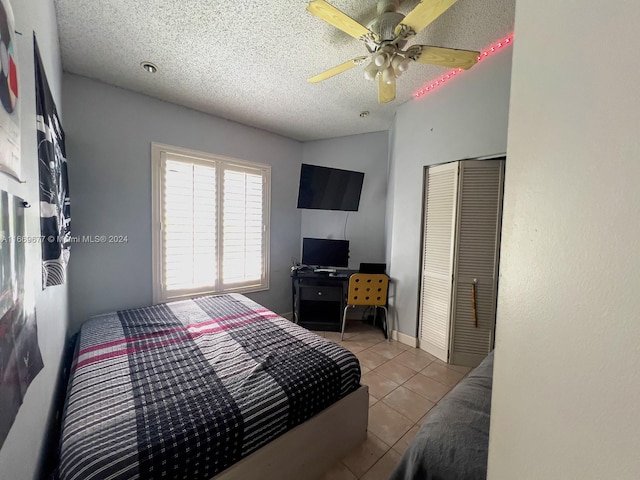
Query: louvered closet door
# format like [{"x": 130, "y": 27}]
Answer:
[
  {"x": 476, "y": 257},
  {"x": 441, "y": 186}
]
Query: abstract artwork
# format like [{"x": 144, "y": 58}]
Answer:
[
  {"x": 54, "y": 187},
  {"x": 20, "y": 359},
  {"x": 9, "y": 111}
]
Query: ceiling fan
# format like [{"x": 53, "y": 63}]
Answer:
[{"x": 386, "y": 37}]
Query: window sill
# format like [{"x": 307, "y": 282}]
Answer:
[{"x": 184, "y": 296}]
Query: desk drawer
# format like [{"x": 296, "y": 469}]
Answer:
[{"x": 321, "y": 293}]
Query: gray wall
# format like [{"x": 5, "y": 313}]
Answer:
[
  {"x": 368, "y": 153},
  {"x": 566, "y": 380},
  {"x": 20, "y": 454},
  {"x": 466, "y": 118},
  {"x": 109, "y": 134}
]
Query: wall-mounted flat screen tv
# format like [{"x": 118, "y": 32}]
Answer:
[
  {"x": 326, "y": 188},
  {"x": 325, "y": 252}
]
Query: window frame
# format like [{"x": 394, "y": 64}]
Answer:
[{"x": 159, "y": 153}]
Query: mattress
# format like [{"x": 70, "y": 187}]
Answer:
[{"x": 186, "y": 389}]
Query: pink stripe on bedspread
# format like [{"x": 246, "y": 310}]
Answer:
[
  {"x": 159, "y": 333},
  {"x": 255, "y": 316}
]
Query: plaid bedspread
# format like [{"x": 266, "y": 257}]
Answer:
[{"x": 186, "y": 389}]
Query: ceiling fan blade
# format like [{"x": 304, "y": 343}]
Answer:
[
  {"x": 423, "y": 14},
  {"x": 446, "y": 57},
  {"x": 343, "y": 67},
  {"x": 386, "y": 92},
  {"x": 335, "y": 17}
]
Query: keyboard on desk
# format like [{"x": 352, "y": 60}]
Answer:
[{"x": 324, "y": 270}]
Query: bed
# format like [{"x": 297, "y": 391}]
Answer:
[
  {"x": 212, "y": 387},
  {"x": 453, "y": 442}
]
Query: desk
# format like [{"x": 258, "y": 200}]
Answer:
[{"x": 319, "y": 299}]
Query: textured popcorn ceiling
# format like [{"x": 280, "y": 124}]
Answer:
[{"x": 248, "y": 61}]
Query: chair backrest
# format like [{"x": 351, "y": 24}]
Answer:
[
  {"x": 373, "y": 268},
  {"x": 368, "y": 289}
]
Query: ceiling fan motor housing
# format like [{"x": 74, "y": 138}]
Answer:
[
  {"x": 385, "y": 6},
  {"x": 384, "y": 25}
]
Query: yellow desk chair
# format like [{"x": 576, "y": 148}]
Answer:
[{"x": 367, "y": 289}]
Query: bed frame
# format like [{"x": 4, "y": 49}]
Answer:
[{"x": 310, "y": 449}]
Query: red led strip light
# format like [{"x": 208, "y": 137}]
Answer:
[{"x": 486, "y": 53}]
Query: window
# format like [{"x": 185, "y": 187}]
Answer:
[{"x": 211, "y": 224}]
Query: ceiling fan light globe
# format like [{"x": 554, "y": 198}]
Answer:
[
  {"x": 400, "y": 64},
  {"x": 371, "y": 71},
  {"x": 388, "y": 76},
  {"x": 395, "y": 61},
  {"x": 380, "y": 59}
]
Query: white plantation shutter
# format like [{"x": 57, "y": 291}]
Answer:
[
  {"x": 242, "y": 227},
  {"x": 189, "y": 226},
  {"x": 210, "y": 224},
  {"x": 441, "y": 189}
]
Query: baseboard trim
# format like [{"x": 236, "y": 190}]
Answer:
[{"x": 404, "y": 338}]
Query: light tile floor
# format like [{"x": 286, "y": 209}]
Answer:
[{"x": 404, "y": 384}]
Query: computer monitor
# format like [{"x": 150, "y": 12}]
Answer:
[{"x": 325, "y": 252}]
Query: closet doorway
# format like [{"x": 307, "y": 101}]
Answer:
[{"x": 462, "y": 215}]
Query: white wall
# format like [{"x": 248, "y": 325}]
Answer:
[
  {"x": 20, "y": 454},
  {"x": 466, "y": 118},
  {"x": 366, "y": 153},
  {"x": 567, "y": 365},
  {"x": 109, "y": 135}
]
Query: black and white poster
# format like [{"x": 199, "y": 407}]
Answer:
[
  {"x": 20, "y": 359},
  {"x": 54, "y": 186}
]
